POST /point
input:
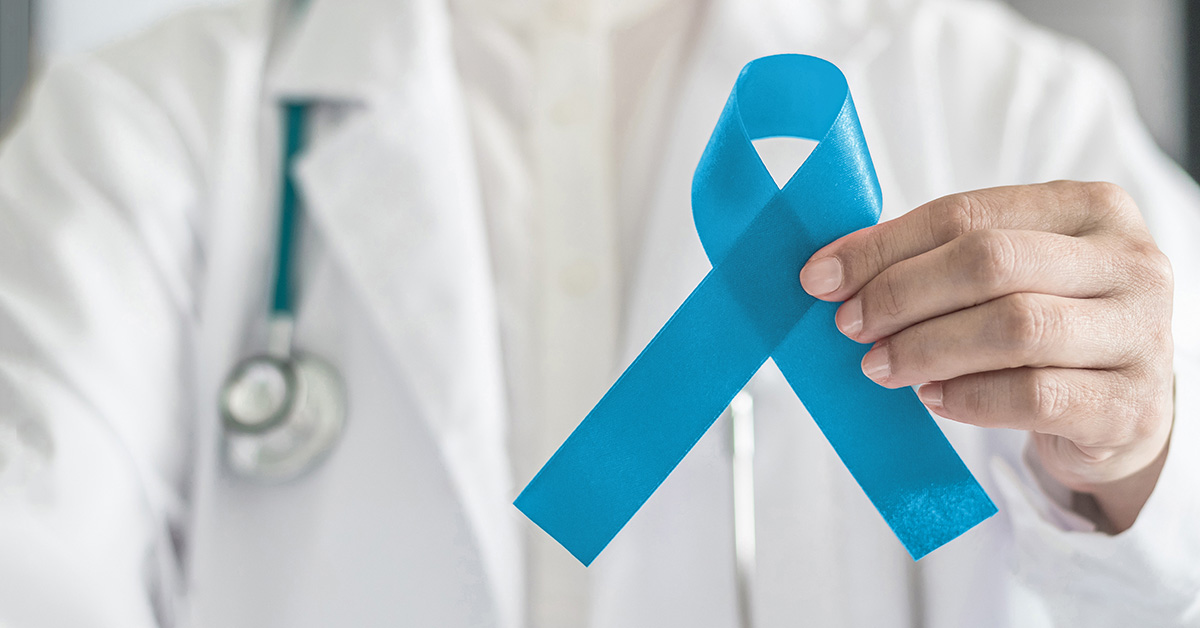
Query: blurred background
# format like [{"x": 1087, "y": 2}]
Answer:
[{"x": 1154, "y": 42}]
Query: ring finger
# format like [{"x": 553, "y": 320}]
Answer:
[{"x": 1054, "y": 401}]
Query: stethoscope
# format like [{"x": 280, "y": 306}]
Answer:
[{"x": 282, "y": 410}]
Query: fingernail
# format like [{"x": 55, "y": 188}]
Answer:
[
  {"x": 822, "y": 276},
  {"x": 849, "y": 317},
  {"x": 931, "y": 395},
  {"x": 875, "y": 363}
]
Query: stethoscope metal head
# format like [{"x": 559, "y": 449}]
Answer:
[
  {"x": 281, "y": 415},
  {"x": 258, "y": 395}
]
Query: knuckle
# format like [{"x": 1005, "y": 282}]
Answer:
[
  {"x": 1110, "y": 206},
  {"x": 1139, "y": 425},
  {"x": 1149, "y": 405},
  {"x": 977, "y": 400},
  {"x": 861, "y": 262},
  {"x": 1025, "y": 324},
  {"x": 953, "y": 216},
  {"x": 1116, "y": 402},
  {"x": 874, "y": 259},
  {"x": 1151, "y": 267},
  {"x": 1125, "y": 423},
  {"x": 909, "y": 353},
  {"x": 1047, "y": 397},
  {"x": 885, "y": 297},
  {"x": 988, "y": 257},
  {"x": 1108, "y": 196}
]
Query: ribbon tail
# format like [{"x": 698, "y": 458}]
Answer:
[
  {"x": 886, "y": 438},
  {"x": 647, "y": 422}
]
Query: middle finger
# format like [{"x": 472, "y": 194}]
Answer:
[
  {"x": 1023, "y": 329},
  {"x": 974, "y": 268}
]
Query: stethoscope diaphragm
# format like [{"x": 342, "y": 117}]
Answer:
[{"x": 281, "y": 415}]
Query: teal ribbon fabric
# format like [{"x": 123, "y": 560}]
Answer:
[{"x": 750, "y": 307}]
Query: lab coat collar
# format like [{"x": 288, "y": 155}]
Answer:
[{"x": 331, "y": 50}]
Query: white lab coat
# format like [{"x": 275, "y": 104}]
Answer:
[{"x": 137, "y": 213}]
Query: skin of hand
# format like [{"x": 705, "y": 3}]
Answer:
[{"x": 1044, "y": 308}]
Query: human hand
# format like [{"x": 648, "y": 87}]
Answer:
[{"x": 1044, "y": 308}]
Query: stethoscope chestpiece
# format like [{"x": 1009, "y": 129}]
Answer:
[
  {"x": 282, "y": 411},
  {"x": 281, "y": 415}
]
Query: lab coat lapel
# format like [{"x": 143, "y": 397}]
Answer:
[{"x": 392, "y": 189}]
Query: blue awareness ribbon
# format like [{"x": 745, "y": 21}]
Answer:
[{"x": 750, "y": 307}]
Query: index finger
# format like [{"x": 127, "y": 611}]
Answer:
[{"x": 843, "y": 267}]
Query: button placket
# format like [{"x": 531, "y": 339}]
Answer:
[
  {"x": 571, "y": 137},
  {"x": 572, "y": 147}
]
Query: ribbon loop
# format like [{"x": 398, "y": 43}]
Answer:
[{"x": 751, "y": 307}]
